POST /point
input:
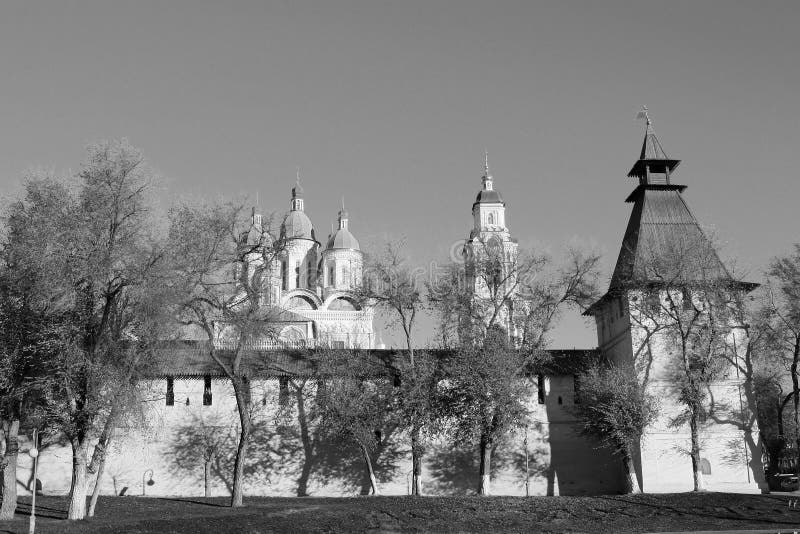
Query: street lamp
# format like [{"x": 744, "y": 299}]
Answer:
[
  {"x": 34, "y": 454},
  {"x": 149, "y": 482}
]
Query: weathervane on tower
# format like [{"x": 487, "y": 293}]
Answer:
[{"x": 644, "y": 114}]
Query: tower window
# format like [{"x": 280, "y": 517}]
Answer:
[
  {"x": 332, "y": 276},
  {"x": 297, "y": 274},
  {"x": 207, "y": 391},
  {"x": 490, "y": 219},
  {"x": 284, "y": 275},
  {"x": 170, "y": 391}
]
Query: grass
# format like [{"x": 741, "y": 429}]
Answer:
[{"x": 611, "y": 514}]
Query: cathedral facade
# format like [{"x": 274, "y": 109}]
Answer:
[{"x": 310, "y": 282}]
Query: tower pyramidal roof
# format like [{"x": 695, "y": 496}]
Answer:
[{"x": 663, "y": 241}]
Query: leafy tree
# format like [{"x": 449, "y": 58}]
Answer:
[
  {"x": 356, "y": 404},
  {"x": 486, "y": 391},
  {"x": 498, "y": 309},
  {"x": 782, "y": 326},
  {"x": 26, "y": 307},
  {"x": 616, "y": 409},
  {"x": 92, "y": 244}
]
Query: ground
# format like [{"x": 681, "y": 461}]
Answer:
[{"x": 609, "y": 514}]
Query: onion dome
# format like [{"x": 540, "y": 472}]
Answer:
[
  {"x": 255, "y": 235},
  {"x": 343, "y": 238},
  {"x": 297, "y": 224}
]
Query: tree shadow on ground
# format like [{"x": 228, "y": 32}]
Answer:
[{"x": 193, "y": 501}]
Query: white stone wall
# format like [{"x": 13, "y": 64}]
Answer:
[
  {"x": 175, "y": 437},
  {"x": 731, "y": 451}
]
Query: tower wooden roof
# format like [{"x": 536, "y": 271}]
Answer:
[{"x": 663, "y": 242}]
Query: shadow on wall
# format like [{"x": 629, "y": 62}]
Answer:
[
  {"x": 341, "y": 462},
  {"x": 280, "y": 449},
  {"x": 454, "y": 469},
  {"x": 578, "y": 464},
  {"x": 206, "y": 445}
]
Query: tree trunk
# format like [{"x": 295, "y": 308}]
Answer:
[
  {"x": 97, "y": 482},
  {"x": 308, "y": 445},
  {"x": 99, "y": 455},
  {"x": 486, "y": 466},
  {"x": 696, "y": 469},
  {"x": 416, "y": 462},
  {"x": 632, "y": 483},
  {"x": 372, "y": 480},
  {"x": 242, "y": 390},
  {"x": 80, "y": 482},
  {"x": 207, "y": 476},
  {"x": 9, "y": 462},
  {"x": 796, "y": 399}
]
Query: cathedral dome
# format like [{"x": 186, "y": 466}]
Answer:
[
  {"x": 297, "y": 225},
  {"x": 343, "y": 238}
]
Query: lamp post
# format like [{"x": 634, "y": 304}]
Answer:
[
  {"x": 149, "y": 482},
  {"x": 34, "y": 454}
]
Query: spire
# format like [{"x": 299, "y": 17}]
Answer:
[
  {"x": 297, "y": 193},
  {"x": 488, "y": 184},
  {"x": 343, "y": 217},
  {"x": 653, "y": 166}
]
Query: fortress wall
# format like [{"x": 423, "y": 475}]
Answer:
[{"x": 175, "y": 439}]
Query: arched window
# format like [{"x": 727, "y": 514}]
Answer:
[
  {"x": 332, "y": 275},
  {"x": 705, "y": 466},
  {"x": 284, "y": 275},
  {"x": 292, "y": 334},
  {"x": 490, "y": 220},
  {"x": 300, "y": 302}
]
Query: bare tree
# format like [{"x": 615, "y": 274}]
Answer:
[
  {"x": 690, "y": 306},
  {"x": 390, "y": 285},
  {"x": 224, "y": 265}
]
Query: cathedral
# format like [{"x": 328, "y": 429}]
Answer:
[
  {"x": 310, "y": 283},
  {"x": 190, "y": 407}
]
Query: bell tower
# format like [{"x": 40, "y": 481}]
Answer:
[{"x": 489, "y": 210}]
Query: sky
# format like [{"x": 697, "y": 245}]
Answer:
[{"x": 392, "y": 104}]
